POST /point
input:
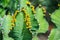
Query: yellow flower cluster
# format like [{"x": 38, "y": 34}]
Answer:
[
  {"x": 27, "y": 19},
  {"x": 14, "y": 19},
  {"x": 33, "y": 9}
]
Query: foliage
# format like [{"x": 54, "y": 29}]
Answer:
[{"x": 25, "y": 19}]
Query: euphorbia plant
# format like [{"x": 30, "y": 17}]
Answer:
[{"x": 24, "y": 20}]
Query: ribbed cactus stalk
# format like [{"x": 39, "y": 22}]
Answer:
[
  {"x": 54, "y": 35},
  {"x": 19, "y": 25},
  {"x": 20, "y": 31},
  {"x": 43, "y": 24},
  {"x": 55, "y": 17},
  {"x": 7, "y": 26}
]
